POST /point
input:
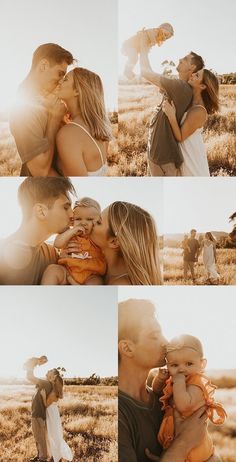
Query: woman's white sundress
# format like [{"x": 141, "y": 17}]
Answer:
[
  {"x": 194, "y": 153},
  {"x": 209, "y": 261},
  {"x": 103, "y": 170},
  {"x": 57, "y": 447}
]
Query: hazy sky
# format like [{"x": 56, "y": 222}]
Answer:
[
  {"x": 75, "y": 328},
  {"x": 205, "y": 26},
  {"x": 86, "y": 28},
  {"x": 198, "y": 203},
  {"x": 145, "y": 192},
  {"x": 205, "y": 312}
]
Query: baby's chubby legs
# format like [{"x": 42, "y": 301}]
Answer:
[
  {"x": 132, "y": 59},
  {"x": 54, "y": 275},
  {"x": 94, "y": 280}
]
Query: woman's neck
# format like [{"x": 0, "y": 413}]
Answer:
[
  {"x": 115, "y": 264},
  {"x": 74, "y": 111},
  {"x": 197, "y": 98}
]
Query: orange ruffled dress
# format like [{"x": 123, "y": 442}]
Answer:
[
  {"x": 90, "y": 261},
  {"x": 215, "y": 411}
]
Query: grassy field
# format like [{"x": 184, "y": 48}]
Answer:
[
  {"x": 89, "y": 419},
  {"x": 173, "y": 267},
  {"x": 136, "y": 103}
]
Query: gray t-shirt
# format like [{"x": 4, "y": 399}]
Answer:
[
  {"x": 38, "y": 407},
  {"x": 28, "y": 125},
  {"x": 21, "y": 264},
  {"x": 162, "y": 145},
  {"x": 138, "y": 428}
]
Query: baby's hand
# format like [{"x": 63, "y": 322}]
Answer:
[
  {"x": 179, "y": 378},
  {"x": 78, "y": 229},
  {"x": 42, "y": 360},
  {"x": 159, "y": 380}
]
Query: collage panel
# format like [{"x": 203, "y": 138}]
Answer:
[
  {"x": 81, "y": 231},
  {"x": 64, "y": 70},
  {"x": 177, "y": 99},
  {"x": 199, "y": 231},
  {"x": 58, "y": 374},
  {"x": 175, "y": 362}
]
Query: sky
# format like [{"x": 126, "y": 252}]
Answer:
[
  {"x": 206, "y": 27},
  {"x": 198, "y": 203},
  {"x": 88, "y": 29},
  {"x": 205, "y": 312},
  {"x": 104, "y": 190},
  {"x": 76, "y": 329}
]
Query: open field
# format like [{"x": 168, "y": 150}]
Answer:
[
  {"x": 173, "y": 267},
  {"x": 89, "y": 419},
  {"x": 136, "y": 103}
]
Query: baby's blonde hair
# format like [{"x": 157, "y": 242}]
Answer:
[
  {"x": 136, "y": 233},
  {"x": 87, "y": 202},
  {"x": 185, "y": 341}
]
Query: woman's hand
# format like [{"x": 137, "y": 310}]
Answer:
[{"x": 169, "y": 109}]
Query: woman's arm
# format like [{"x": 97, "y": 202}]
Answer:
[
  {"x": 70, "y": 152},
  {"x": 186, "y": 398},
  {"x": 196, "y": 117}
]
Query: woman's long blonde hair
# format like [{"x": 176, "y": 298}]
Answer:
[
  {"x": 91, "y": 103},
  {"x": 210, "y": 94},
  {"x": 137, "y": 236}
]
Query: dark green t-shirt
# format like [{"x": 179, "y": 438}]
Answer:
[
  {"x": 162, "y": 145},
  {"x": 191, "y": 254},
  {"x": 38, "y": 407},
  {"x": 138, "y": 428}
]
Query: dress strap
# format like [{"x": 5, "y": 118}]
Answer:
[
  {"x": 90, "y": 136},
  {"x": 198, "y": 105}
]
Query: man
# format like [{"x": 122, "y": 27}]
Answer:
[
  {"x": 141, "y": 348},
  {"x": 39, "y": 410},
  {"x": 191, "y": 254},
  {"x": 37, "y": 115},
  {"x": 164, "y": 154},
  {"x": 46, "y": 210}
]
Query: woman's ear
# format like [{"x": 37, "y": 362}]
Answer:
[
  {"x": 40, "y": 211},
  {"x": 203, "y": 86},
  {"x": 113, "y": 242}
]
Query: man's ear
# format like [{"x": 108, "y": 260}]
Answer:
[
  {"x": 126, "y": 348},
  {"x": 113, "y": 242},
  {"x": 40, "y": 211},
  {"x": 43, "y": 65}
]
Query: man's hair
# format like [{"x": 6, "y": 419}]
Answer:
[
  {"x": 130, "y": 317},
  {"x": 45, "y": 190},
  {"x": 193, "y": 231},
  {"x": 53, "y": 53},
  {"x": 197, "y": 61}
]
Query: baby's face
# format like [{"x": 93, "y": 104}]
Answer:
[
  {"x": 184, "y": 361},
  {"x": 86, "y": 217}
]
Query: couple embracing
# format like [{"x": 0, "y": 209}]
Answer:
[
  {"x": 59, "y": 120},
  {"x": 46, "y": 422}
]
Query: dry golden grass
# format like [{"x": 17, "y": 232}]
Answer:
[
  {"x": 173, "y": 267},
  {"x": 89, "y": 419},
  {"x": 136, "y": 103},
  {"x": 224, "y": 436}
]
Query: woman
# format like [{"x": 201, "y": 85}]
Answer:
[
  {"x": 58, "y": 449},
  {"x": 128, "y": 238},
  {"x": 209, "y": 258},
  {"x": 82, "y": 143},
  {"x": 205, "y": 101}
]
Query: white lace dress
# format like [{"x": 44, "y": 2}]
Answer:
[
  {"x": 57, "y": 447},
  {"x": 209, "y": 261},
  {"x": 194, "y": 154}
]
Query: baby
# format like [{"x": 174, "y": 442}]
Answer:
[
  {"x": 130, "y": 47},
  {"x": 186, "y": 390},
  {"x": 31, "y": 363},
  {"x": 88, "y": 265}
]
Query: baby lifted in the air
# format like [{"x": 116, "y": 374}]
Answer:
[{"x": 131, "y": 47}]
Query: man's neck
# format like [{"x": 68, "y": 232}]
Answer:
[
  {"x": 31, "y": 233},
  {"x": 132, "y": 381}
]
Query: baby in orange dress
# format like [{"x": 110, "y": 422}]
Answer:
[
  {"x": 88, "y": 265},
  {"x": 131, "y": 47},
  {"x": 187, "y": 389}
]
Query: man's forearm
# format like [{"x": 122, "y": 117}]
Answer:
[
  {"x": 146, "y": 70},
  {"x": 30, "y": 376}
]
